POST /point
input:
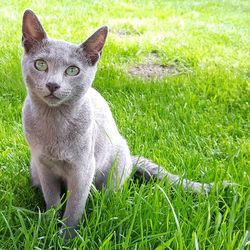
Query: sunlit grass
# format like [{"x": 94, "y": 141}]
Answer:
[{"x": 195, "y": 124}]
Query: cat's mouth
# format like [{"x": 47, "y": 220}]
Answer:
[{"x": 51, "y": 96}]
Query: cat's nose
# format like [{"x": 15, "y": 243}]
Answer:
[{"x": 52, "y": 86}]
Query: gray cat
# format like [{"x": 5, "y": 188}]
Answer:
[{"x": 69, "y": 127}]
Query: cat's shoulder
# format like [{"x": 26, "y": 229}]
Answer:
[
  {"x": 26, "y": 106},
  {"x": 97, "y": 99}
]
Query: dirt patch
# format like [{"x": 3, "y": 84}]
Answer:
[
  {"x": 153, "y": 57},
  {"x": 122, "y": 33},
  {"x": 126, "y": 31},
  {"x": 153, "y": 71},
  {"x": 154, "y": 68}
]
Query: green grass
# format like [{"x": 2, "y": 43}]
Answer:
[{"x": 195, "y": 124}]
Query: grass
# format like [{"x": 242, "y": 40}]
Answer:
[{"x": 195, "y": 124}]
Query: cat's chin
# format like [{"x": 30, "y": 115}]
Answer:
[{"x": 52, "y": 101}]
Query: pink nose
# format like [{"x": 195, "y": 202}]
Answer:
[{"x": 52, "y": 86}]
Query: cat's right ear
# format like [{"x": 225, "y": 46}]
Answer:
[{"x": 33, "y": 31}]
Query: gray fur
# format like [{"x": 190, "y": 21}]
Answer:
[
  {"x": 73, "y": 137},
  {"x": 146, "y": 168}
]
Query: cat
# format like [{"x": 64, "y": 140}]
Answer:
[{"x": 69, "y": 127}]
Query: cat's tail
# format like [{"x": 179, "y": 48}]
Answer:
[{"x": 146, "y": 168}]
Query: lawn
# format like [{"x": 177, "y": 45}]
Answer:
[{"x": 195, "y": 123}]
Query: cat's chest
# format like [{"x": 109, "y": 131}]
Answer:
[
  {"x": 59, "y": 133},
  {"x": 61, "y": 147},
  {"x": 59, "y": 141},
  {"x": 51, "y": 142}
]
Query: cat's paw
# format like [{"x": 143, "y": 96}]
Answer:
[
  {"x": 67, "y": 233},
  {"x": 227, "y": 184}
]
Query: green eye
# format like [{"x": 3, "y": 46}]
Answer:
[
  {"x": 41, "y": 65},
  {"x": 72, "y": 71}
]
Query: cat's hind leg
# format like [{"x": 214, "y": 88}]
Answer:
[
  {"x": 116, "y": 169},
  {"x": 122, "y": 164}
]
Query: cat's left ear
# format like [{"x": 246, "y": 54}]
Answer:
[
  {"x": 94, "y": 44},
  {"x": 33, "y": 31}
]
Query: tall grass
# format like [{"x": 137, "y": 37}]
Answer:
[{"x": 195, "y": 124}]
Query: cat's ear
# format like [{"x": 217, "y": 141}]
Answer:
[
  {"x": 94, "y": 44},
  {"x": 33, "y": 31}
]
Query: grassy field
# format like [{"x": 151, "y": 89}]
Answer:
[{"x": 194, "y": 123}]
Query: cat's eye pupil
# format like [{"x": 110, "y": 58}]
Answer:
[
  {"x": 41, "y": 65},
  {"x": 72, "y": 71}
]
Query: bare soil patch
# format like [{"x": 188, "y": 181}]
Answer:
[
  {"x": 152, "y": 71},
  {"x": 122, "y": 33},
  {"x": 153, "y": 68},
  {"x": 126, "y": 30}
]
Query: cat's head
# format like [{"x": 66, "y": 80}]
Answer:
[{"x": 55, "y": 71}]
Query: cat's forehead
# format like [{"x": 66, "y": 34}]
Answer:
[{"x": 55, "y": 50}]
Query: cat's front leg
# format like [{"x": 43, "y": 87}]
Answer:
[
  {"x": 78, "y": 186},
  {"x": 50, "y": 184},
  {"x": 34, "y": 174}
]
